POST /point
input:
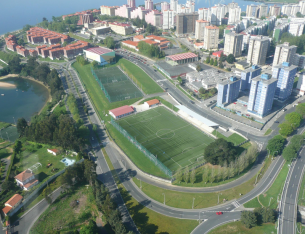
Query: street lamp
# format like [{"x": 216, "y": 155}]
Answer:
[
  {"x": 270, "y": 200},
  {"x": 164, "y": 198},
  {"x": 193, "y": 203},
  {"x": 218, "y": 197}
]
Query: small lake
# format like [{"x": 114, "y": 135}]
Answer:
[{"x": 24, "y": 100}]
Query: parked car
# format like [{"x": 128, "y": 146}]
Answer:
[
  {"x": 235, "y": 102},
  {"x": 276, "y": 122},
  {"x": 247, "y": 115},
  {"x": 219, "y": 213}
]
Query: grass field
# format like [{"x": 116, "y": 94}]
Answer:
[
  {"x": 301, "y": 192},
  {"x": 52, "y": 61},
  {"x": 117, "y": 85},
  {"x": 234, "y": 138},
  {"x": 238, "y": 227},
  {"x": 4, "y": 125},
  {"x": 254, "y": 203},
  {"x": 268, "y": 132},
  {"x": 148, "y": 221},
  {"x": 149, "y": 86},
  {"x": 175, "y": 142},
  {"x": 9, "y": 133}
]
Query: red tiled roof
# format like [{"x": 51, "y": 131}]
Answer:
[
  {"x": 211, "y": 27},
  {"x": 99, "y": 50},
  {"x": 14, "y": 200},
  {"x": 6, "y": 209},
  {"x": 199, "y": 44},
  {"x": 30, "y": 184},
  {"x": 133, "y": 43},
  {"x": 121, "y": 110},
  {"x": 54, "y": 150},
  {"x": 202, "y": 21},
  {"x": 139, "y": 37},
  {"x": 217, "y": 53},
  {"x": 24, "y": 175},
  {"x": 156, "y": 38},
  {"x": 153, "y": 102},
  {"x": 176, "y": 57},
  {"x": 151, "y": 42}
]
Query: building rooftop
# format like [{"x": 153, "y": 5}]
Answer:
[
  {"x": 14, "y": 200},
  {"x": 153, "y": 102},
  {"x": 99, "y": 50},
  {"x": 121, "y": 110},
  {"x": 286, "y": 66},
  {"x": 211, "y": 27},
  {"x": 177, "y": 57},
  {"x": 133, "y": 43},
  {"x": 202, "y": 21},
  {"x": 265, "y": 79},
  {"x": 6, "y": 209},
  {"x": 24, "y": 175}
]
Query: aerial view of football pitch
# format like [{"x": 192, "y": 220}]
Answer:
[
  {"x": 174, "y": 141},
  {"x": 117, "y": 85}
]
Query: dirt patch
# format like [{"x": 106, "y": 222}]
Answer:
[
  {"x": 232, "y": 228},
  {"x": 82, "y": 201}
]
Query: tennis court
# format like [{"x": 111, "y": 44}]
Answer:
[
  {"x": 174, "y": 141},
  {"x": 115, "y": 84}
]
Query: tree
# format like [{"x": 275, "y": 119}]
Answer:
[
  {"x": 205, "y": 174},
  {"x": 179, "y": 79},
  {"x": 294, "y": 119},
  {"x": 299, "y": 15},
  {"x": 248, "y": 218},
  {"x": 193, "y": 176},
  {"x": 202, "y": 90},
  {"x": 90, "y": 171},
  {"x": 264, "y": 215},
  {"x": 231, "y": 59},
  {"x": 20, "y": 42},
  {"x": 179, "y": 175},
  {"x": 21, "y": 125},
  {"x": 300, "y": 108},
  {"x": 91, "y": 228},
  {"x": 212, "y": 175},
  {"x": 46, "y": 193},
  {"x": 220, "y": 151},
  {"x": 222, "y": 57},
  {"x": 8, "y": 185},
  {"x": 276, "y": 145},
  {"x": 94, "y": 64},
  {"x": 208, "y": 59},
  {"x": 211, "y": 61},
  {"x": 109, "y": 41},
  {"x": 198, "y": 68},
  {"x": 289, "y": 153},
  {"x": 220, "y": 65},
  {"x": 81, "y": 60},
  {"x": 215, "y": 62},
  {"x": 285, "y": 129},
  {"x": 186, "y": 175},
  {"x": 14, "y": 65},
  {"x": 17, "y": 147}
]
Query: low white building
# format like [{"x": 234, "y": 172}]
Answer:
[
  {"x": 301, "y": 84},
  {"x": 53, "y": 151},
  {"x": 151, "y": 103},
  {"x": 26, "y": 180}
]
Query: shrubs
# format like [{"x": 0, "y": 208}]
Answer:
[
  {"x": 276, "y": 145},
  {"x": 290, "y": 152},
  {"x": 259, "y": 216}
]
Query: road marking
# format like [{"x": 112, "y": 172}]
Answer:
[{"x": 236, "y": 204}]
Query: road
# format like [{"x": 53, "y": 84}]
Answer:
[{"x": 288, "y": 208}]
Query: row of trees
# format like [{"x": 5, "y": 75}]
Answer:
[
  {"x": 257, "y": 217},
  {"x": 73, "y": 108},
  {"x": 220, "y": 173},
  {"x": 276, "y": 145},
  {"x": 150, "y": 50},
  {"x": 290, "y": 151},
  {"x": 292, "y": 122}
]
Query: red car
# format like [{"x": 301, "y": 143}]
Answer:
[
  {"x": 247, "y": 115},
  {"x": 235, "y": 102},
  {"x": 219, "y": 213}
]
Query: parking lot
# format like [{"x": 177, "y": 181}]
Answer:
[{"x": 132, "y": 57}]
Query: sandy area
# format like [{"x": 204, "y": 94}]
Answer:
[{"x": 7, "y": 85}]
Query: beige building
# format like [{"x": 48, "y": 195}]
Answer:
[
  {"x": 275, "y": 10},
  {"x": 233, "y": 44},
  {"x": 258, "y": 47},
  {"x": 211, "y": 37},
  {"x": 284, "y": 53},
  {"x": 200, "y": 28},
  {"x": 120, "y": 28},
  {"x": 108, "y": 10}
]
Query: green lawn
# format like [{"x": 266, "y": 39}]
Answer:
[
  {"x": 252, "y": 203},
  {"x": 166, "y": 103},
  {"x": 234, "y": 138},
  {"x": 61, "y": 214},
  {"x": 238, "y": 227},
  {"x": 4, "y": 125},
  {"x": 276, "y": 189},
  {"x": 302, "y": 192},
  {"x": 60, "y": 109},
  {"x": 50, "y": 60},
  {"x": 149, "y": 86},
  {"x": 5, "y": 152},
  {"x": 148, "y": 221},
  {"x": 174, "y": 141},
  {"x": 268, "y": 132}
]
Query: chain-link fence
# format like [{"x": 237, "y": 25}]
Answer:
[{"x": 148, "y": 154}]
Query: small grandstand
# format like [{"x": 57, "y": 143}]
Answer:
[{"x": 115, "y": 84}]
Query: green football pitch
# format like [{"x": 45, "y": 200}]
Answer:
[
  {"x": 174, "y": 141},
  {"x": 118, "y": 86}
]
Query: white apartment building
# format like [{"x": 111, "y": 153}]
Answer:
[
  {"x": 291, "y": 9},
  {"x": 296, "y": 29},
  {"x": 284, "y": 53},
  {"x": 302, "y": 7},
  {"x": 211, "y": 36},
  {"x": 168, "y": 19},
  {"x": 258, "y": 47},
  {"x": 234, "y": 15},
  {"x": 217, "y": 13},
  {"x": 275, "y": 10},
  {"x": 233, "y": 44},
  {"x": 200, "y": 29},
  {"x": 173, "y": 5},
  {"x": 257, "y": 11}
]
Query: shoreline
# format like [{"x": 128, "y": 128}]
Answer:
[
  {"x": 7, "y": 85},
  {"x": 32, "y": 79}
]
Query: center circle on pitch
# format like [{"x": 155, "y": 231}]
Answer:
[{"x": 165, "y": 133}]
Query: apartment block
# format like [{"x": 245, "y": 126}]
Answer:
[
  {"x": 258, "y": 47},
  {"x": 275, "y": 10},
  {"x": 279, "y": 30},
  {"x": 234, "y": 15},
  {"x": 291, "y": 9},
  {"x": 186, "y": 23},
  {"x": 168, "y": 19},
  {"x": 108, "y": 10},
  {"x": 284, "y": 53},
  {"x": 299, "y": 61},
  {"x": 296, "y": 29},
  {"x": 138, "y": 12},
  {"x": 261, "y": 95},
  {"x": 85, "y": 19},
  {"x": 154, "y": 18},
  {"x": 131, "y": 3},
  {"x": 228, "y": 91},
  {"x": 124, "y": 11},
  {"x": 149, "y": 5},
  {"x": 165, "y": 6},
  {"x": 211, "y": 36},
  {"x": 200, "y": 29},
  {"x": 247, "y": 75},
  {"x": 284, "y": 73},
  {"x": 173, "y": 5},
  {"x": 40, "y": 35},
  {"x": 22, "y": 51},
  {"x": 233, "y": 44},
  {"x": 120, "y": 28},
  {"x": 302, "y": 7}
]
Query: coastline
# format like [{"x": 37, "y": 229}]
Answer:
[
  {"x": 32, "y": 79},
  {"x": 7, "y": 85}
]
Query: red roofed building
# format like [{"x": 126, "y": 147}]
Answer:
[
  {"x": 138, "y": 38},
  {"x": 121, "y": 111},
  {"x": 131, "y": 44},
  {"x": 152, "y": 103},
  {"x": 33, "y": 53},
  {"x": 53, "y": 151},
  {"x": 101, "y": 55},
  {"x": 26, "y": 179},
  {"x": 217, "y": 53},
  {"x": 11, "y": 42},
  {"x": 156, "y": 38},
  {"x": 41, "y": 35},
  {"x": 182, "y": 58},
  {"x": 22, "y": 51},
  {"x": 14, "y": 201}
]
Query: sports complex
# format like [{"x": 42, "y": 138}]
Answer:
[
  {"x": 115, "y": 84},
  {"x": 175, "y": 142}
]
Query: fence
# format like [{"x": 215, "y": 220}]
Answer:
[
  {"x": 101, "y": 85},
  {"x": 30, "y": 196},
  {"x": 149, "y": 155}
]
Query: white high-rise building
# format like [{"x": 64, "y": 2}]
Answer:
[
  {"x": 173, "y": 5},
  {"x": 234, "y": 15},
  {"x": 302, "y": 7},
  {"x": 168, "y": 19},
  {"x": 291, "y": 9},
  {"x": 258, "y": 47},
  {"x": 232, "y": 5},
  {"x": 211, "y": 36},
  {"x": 275, "y": 10},
  {"x": 296, "y": 29},
  {"x": 149, "y": 5},
  {"x": 233, "y": 44},
  {"x": 165, "y": 6},
  {"x": 251, "y": 10},
  {"x": 217, "y": 13},
  {"x": 200, "y": 29},
  {"x": 284, "y": 53}
]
